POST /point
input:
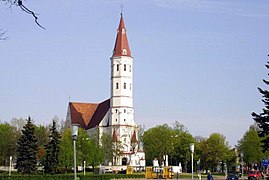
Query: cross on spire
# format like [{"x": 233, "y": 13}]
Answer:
[{"x": 121, "y": 7}]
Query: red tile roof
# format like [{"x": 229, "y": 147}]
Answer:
[
  {"x": 121, "y": 41},
  {"x": 88, "y": 115},
  {"x": 99, "y": 114}
]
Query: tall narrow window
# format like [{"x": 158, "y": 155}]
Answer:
[
  {"x": 124, "y": 86},
  {"x": 117, "y": 85},
  {"x": 130, "y": 68},
  {"x": 118, "y": 67},
  {"x": 130, "y": 86},
  {"x": 124, "y": 67}
]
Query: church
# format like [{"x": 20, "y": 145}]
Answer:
[{"x": 115, "y": 115}]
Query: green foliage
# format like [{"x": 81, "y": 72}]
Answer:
[
  {"x": 27, "y": 150},
  {"x": 66, "y": 157},
  {"x": 42, "y": 135},
  {"x": 9, "y": 137},
  {"x": 157, "y": 143},
  {"x": 214, "y": 150},
  {"x": 181, "y": 143},
  {"x": 107, "y": 145},
  {"x": 250, "y": 145},
  {"x": 263, "y": 118},
  {"x": 93, "y": 152},
  {"x": 163, "y": 139},
  {"x": 88, "y": 149},
  {"x": 52, "y": 150}
]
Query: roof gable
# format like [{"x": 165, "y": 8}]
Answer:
[
  {"x": 88, "y": 115},
  {"x": 81, "y": 113},
  {"x": 99, "y": 114}
]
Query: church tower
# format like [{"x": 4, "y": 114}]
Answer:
[
  {"x": 116, "y": 114},
  {"x": 121, "y": 100}
]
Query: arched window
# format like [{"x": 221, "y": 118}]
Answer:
[
  {"x": 118, "y": 67},
  {"x": 117, "y": 85},
  {"x": 124, "y": 67},
  {"x": 124, "y": 86},
  {"x": 124, "y": 161},
  {"x": 124, "y": 52}
]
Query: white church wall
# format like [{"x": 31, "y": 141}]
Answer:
[{"x": 122, "y": 102}]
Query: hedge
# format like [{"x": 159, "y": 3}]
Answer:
[{"x": 71, "y": 177}]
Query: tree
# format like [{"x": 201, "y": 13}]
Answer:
[
  {"x": 93, "y": 152},
  {"x": 214, "y": 150},
  {"x": 20, "y": 4},
  {"x": 182, "y": 148},
  {"x": 157, "y": 143},
  {"x": 52, "y": 150},
  {"x": 88, "y": 149},
  {"x": 107, "y": 146},
  {"x": 26, "y": 162},
  {"x": 42, "y": 134},
  {"x": 262, "y": 119},
  {"x": 66, "y": 158},
  {"x": 18, "y": 124},
  {"x": 250, "y": 145},
  {"x": 9, "y": 137}
]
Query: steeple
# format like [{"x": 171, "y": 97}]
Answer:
[{"x": 121, "y": 47}]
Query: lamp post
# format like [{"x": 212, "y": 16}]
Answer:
[
  {"x": 242, "y": 162},
  {"x": 172, "y": 137},
  {"x": 192, "y": 151},
  {"x": 10, "y": 165},
  {"x": 74, "y": 137}
]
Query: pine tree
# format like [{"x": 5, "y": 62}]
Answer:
[
  {"x": 262, "y": 119},
  {"x": 26, "y": 162},
  {"x": 52, "y": 150}
]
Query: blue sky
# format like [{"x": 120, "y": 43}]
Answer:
[{"x": 198, "y": 62}]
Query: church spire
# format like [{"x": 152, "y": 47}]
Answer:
[{"x": 121, "y": 47}]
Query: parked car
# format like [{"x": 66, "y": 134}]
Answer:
[
  {"x": 254, "y": 174},
  {"x": 122, "y": 171},
  {"x": 232, "y": 176},
  {"x": 108, "y": 170}
]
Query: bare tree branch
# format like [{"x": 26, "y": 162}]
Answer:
[
  {"x": 24, "y": 8},
  {"x": 2, "y": 35}
]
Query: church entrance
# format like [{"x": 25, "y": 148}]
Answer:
[{"x": 124, "y": 161}]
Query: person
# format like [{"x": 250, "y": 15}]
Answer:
[{"x": 209, "y": 176}]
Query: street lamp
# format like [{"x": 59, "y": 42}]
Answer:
[
  {"x": 192, "y": 151},
  {"x": 242, "y": 162},
  {"x": 74, "y": 137},
  {"x": 172, "y": 137},
  {"x": 10, "y": 165}
]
